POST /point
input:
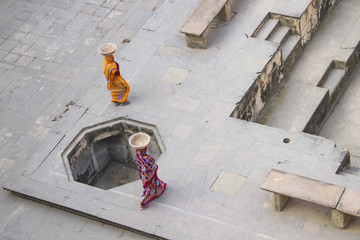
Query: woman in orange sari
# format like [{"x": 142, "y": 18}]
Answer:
[{"x": 115, "y": 82}]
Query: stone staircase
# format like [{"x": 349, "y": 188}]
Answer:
[
  {"x": 310, "y": 91},
  {"x": 333, "y": 80},
  {"x": 354, "y": 169},
  {"x": 272, "y": 30}
]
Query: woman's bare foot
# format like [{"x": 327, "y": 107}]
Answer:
[{"x": 145, "y": 206}]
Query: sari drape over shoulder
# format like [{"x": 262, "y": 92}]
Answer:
[
  {"x": 153, "y": 186},
  {"x": 115, "y": 82}
]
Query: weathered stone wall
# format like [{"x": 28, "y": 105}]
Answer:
[
  {"x": 266, "y": 84},
  {"x": 311, "y": 18},
  {"x": 101, "y": 156},
  {"x": 314, "y": 123},
  {"x": 260, "y": 91},
  {"x": 351, "y": 62},
  {"x": 293, "y": 56},
  {"x": 291, "y": 22},
  {"x": 111, "y": 149},
  {"x": 82, "y": 169},
  {"x": 308, "y": 22}
]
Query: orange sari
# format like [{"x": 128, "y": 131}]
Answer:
[{"x": 115, "y": 82}]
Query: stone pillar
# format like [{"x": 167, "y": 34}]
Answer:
[
  {"x": 225, "y": 13},
  {"x": 196, "y": 41},
  {"x": 339, "y": 219},
  {"x": 280, "y": 201}
]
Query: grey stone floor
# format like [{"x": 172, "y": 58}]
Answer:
[{"x": 52, "y": 86}]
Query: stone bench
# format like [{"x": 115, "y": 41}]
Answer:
[
  {"x": 285, "y": 185},
  {"x": 349, "y": 205},
  {"x": 197, "y": 26}
]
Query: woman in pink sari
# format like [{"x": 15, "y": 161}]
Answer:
[{"x": 153, "y": 186}]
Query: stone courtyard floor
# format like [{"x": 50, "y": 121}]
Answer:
[{"x": 52, "y": 86}]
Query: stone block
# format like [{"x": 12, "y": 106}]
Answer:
[
  {"x": 2, "y": 53},
  {"x": 8, "y": 45},
  {"x": 306, "y": 33},
  {"x": 339, "y": 219},
  {"x": 6, "y": 32},
  {"x": 197, "y": 41},
  {"x": 11, "y": 58},
  {"x": 89, "y": 9},
  {"x": 183, "y": 130},
  {"x": 124, "y": 6},
  {"x": 17, "y": 36},
  {"x": 6, "y": 164},
  {"x": 102, "y": 12},
  {"x": 312, "y": 111},
  {"x": 6, "y": 66},
  {"x": 20, "y": 48},
  {"x": 115, "y": 14},
  {"x": 175, "y": 75},
  {"x": 183, "y": 103},
  {"x": 225, "y": 14},
  {"x": 311, "y": 227},
  {"x": 228, "y": 183},
  {"x": 110, "y": 3},
  {"x": 349, "y": 203},
  {"x": 24, "y": 61},
  {"x": 206, "y": 153},
  {"x": 280, "y": 201}
]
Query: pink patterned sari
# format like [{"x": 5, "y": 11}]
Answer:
[{"x": 153, "y": 186}]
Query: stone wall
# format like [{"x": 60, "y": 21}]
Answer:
[
  {"x": 311, "y": 18},
  {"x": 291, "y": 22},
  {"x": 317, "y": 115},
  {"x": 351, "y": 61},
  {"x": 261, "y": 90},
  {"x": 313, "y": 125},
  {"x": 267, "y": 82},
  {"x": 292, "y": 57},
  {"x": 308, "y": 22}
]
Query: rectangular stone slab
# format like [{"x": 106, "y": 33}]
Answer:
[
  {"x": 303, "y": 188},
  {"x": 350, "y": 202},
  {"x": 203, "y": 16}
]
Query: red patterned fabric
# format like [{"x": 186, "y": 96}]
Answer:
[{"x": 153, "y": 186}]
